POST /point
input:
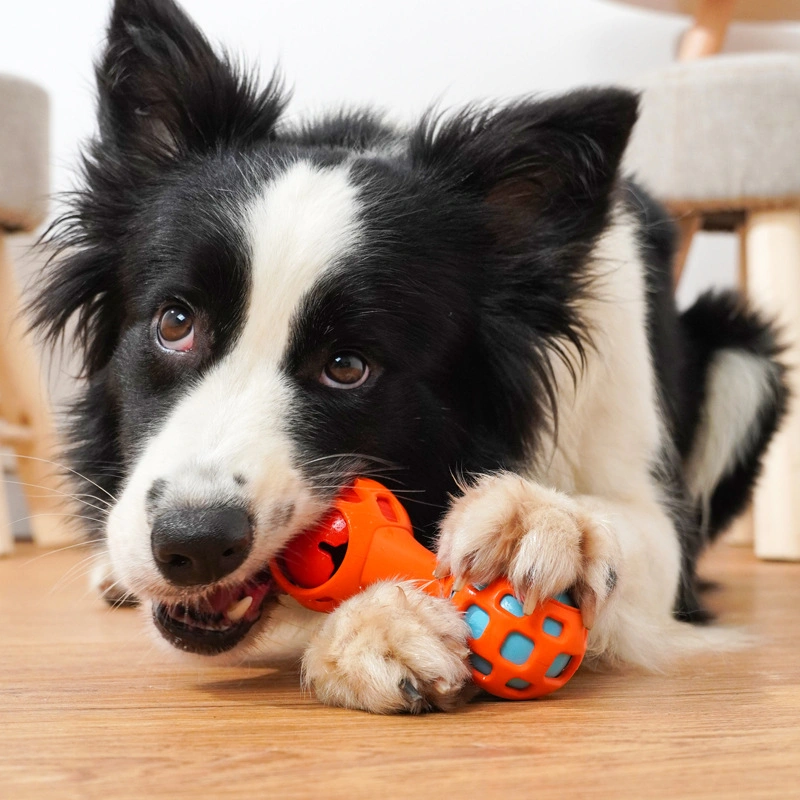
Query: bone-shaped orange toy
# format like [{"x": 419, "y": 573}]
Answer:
[{"x": 368, "y": 537}]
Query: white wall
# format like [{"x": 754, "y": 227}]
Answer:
[{"x": 400, "y": 55}]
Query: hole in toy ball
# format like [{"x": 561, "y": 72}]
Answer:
[
  {"x": 350, "y": 495},
  {"x": 337, "y": 552},
  {"x": 552, "y": 627},
  {"x": 566, "y": 599},
  {"x": 517, "y": 683},
  {"x": 385, "y": 505},
  {"x": 479, "y": 587},
  {"x": 516, "y": 648},
  {"x": 512, "y": 605},
  {"x": 480, "y": 664},
  {"x": 560, "y": 663},
  {"x": 477, "y": 619}
]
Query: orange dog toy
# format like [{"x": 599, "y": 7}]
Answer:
[{"x": 368, "y": 538}]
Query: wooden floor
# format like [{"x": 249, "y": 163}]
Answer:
[{"x": 89, "y": 708}]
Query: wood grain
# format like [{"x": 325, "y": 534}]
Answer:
[{"x": 91, "y": 707}]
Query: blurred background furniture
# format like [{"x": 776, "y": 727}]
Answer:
[
  {"x": 26, "y": 428},
  {"x": 718, "y": 142},
  {"x": 711, "y": 18}
]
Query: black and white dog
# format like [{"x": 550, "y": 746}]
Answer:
[{"x": 477, "y": 309}]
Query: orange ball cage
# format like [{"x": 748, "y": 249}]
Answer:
[{"x": 368, "y": 537}]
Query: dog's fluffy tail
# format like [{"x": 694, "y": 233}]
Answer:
[
  {"x": 733, "y": 355},
  {"x": 660, "y": 647}
]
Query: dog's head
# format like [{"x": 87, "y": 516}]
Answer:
[{"x": 267, "y": 311}]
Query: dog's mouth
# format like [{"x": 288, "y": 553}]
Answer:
[{"x": 218, "y": 620}]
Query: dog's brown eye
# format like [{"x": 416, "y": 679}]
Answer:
[
  {"x": 345, "y": 371},
  {"x": 176, "y": 329}
]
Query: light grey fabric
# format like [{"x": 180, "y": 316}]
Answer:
[
  {"x": 24, "y": 155},
  {"x": 720, "y": 129}
]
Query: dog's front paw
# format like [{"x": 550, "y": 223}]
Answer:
[
  {"x": 541, "y": 539},
  {"x": 104, "y": 581},
  {"x": 389, "y": 649}
]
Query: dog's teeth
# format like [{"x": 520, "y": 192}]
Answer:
[{"x": 238, "y": 609}]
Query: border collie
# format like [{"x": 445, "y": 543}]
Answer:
[{"x": 477, "y": 308}]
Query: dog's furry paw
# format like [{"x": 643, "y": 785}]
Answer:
[
  {"x": 104, "y": 581},
  {"x": 541, "y": 539},
  {"x": 391, "y": 648}
]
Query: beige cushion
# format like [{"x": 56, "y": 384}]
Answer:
[
  {"x": 720, "y": 130},
  {"x": 24, "y": 155}
]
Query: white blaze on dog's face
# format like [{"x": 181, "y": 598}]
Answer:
[
  {"x": 285, "y": 322},
  {"x": 227, "y": 441}
]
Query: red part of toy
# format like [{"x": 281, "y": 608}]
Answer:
[
  {"x": 368, "y": 538},
  {"x": 313, "y": 557},
  {"x": 380, "y": 545}
]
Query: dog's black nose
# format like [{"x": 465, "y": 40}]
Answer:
[{"x": 193, "y": 546}]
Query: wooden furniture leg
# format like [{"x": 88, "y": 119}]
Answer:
[
  {"x": 707, "y": 34},
  {"x": 742, "y": 531},
  {"x": 773, "y": 282},
  {"x": 688, "y": 225},
  {"x": 27, "y": 427},
  {"x": 6, "y": 536}
]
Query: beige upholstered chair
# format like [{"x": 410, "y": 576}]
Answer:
[
  {"x": 719, "y": 142},
  {"x": 26, "y": 430}
]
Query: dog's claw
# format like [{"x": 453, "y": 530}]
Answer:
[
  {"x": 122, "y": 601},
  {"x": 531, "y": 601},
  {"x": 411, "y": 692}
]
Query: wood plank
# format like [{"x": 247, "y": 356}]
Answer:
[{"x": 91, "y": 706}]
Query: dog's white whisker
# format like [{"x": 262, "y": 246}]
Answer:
[
  {"x": 46, "y": 515},
  {"x": 46, "y": 554},
  {"x": 50, "y": 492},
  {"x": 71, "y": 471},
  {"x": 79, "y": 570}
]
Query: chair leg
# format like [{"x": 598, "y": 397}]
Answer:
[
  {"x": 688, "y": 225},
  {"x": 707, "y": 34},
  {"x": 24, "y": 409},
  {"x": 772, "y": 242},
  {"x": 6, "y": 537},
  {"x": 742, "y": 533}
]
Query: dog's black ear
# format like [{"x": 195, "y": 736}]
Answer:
[
  {"x": 164, "y": 91},
  {"x": 554, "y": 159},
  {"x": 544, "y": 172}
]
